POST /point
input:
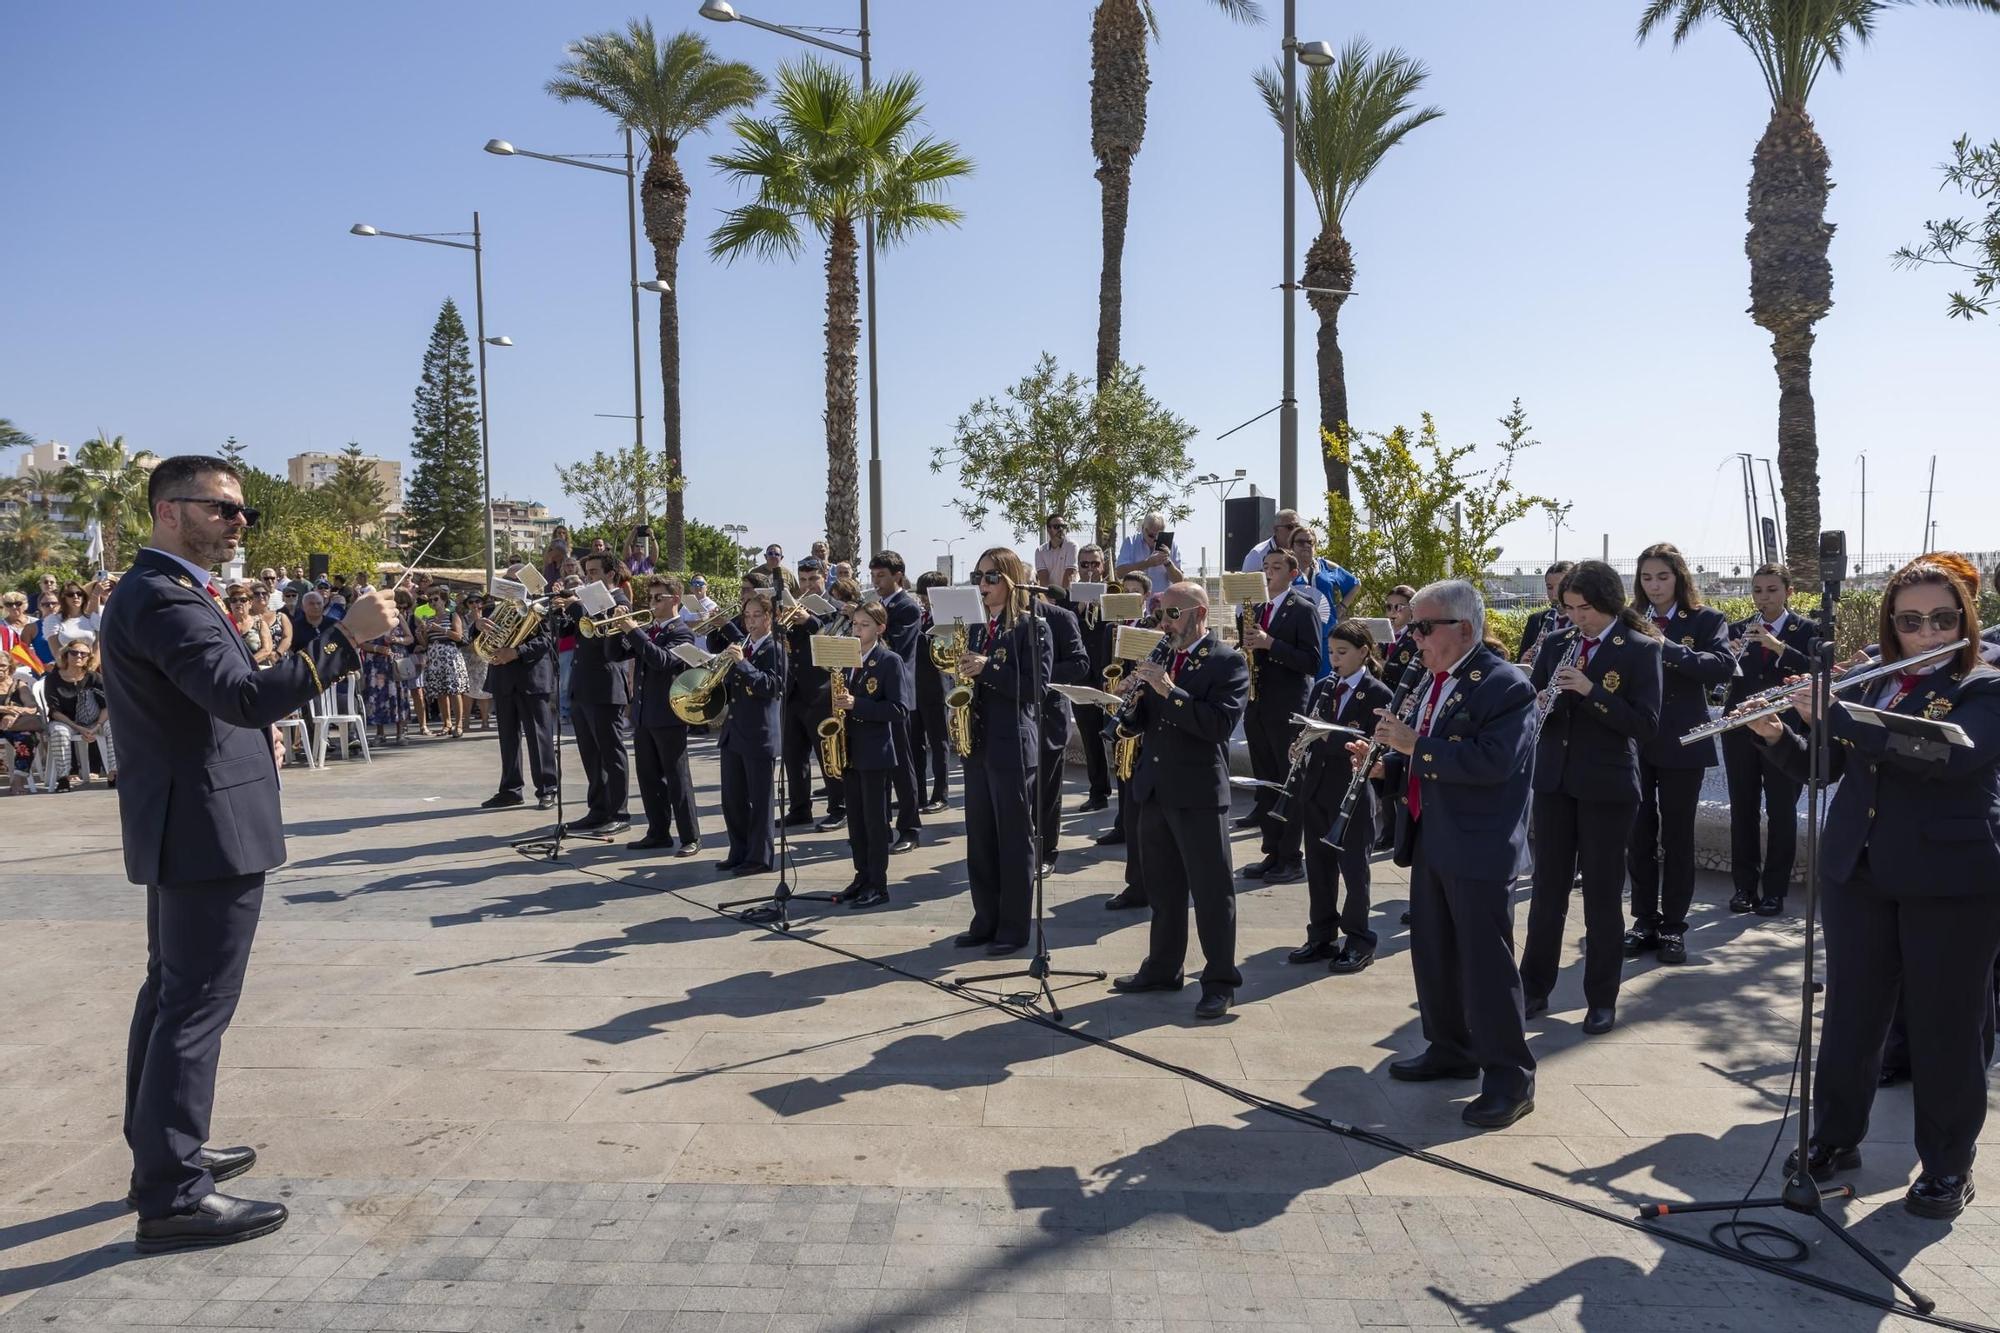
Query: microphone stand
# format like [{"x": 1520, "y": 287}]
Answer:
[
  {"x": 1801, "y": 1193},
  {"x": 1038, "y": 968},
  {"x": 551, "y": 847},
  {"x": 774, "y": 908}
]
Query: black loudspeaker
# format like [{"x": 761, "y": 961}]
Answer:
[
  {"x": 1832, "y": 556},
  {"x": 1246, "y": 520},
  {"x": 317, "y": 564}
]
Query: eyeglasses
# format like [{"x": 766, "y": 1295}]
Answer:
[
  {"x": 1945, "y": 619},
  {"x": 663, "y": 597},
  {"x": 48, "y": 603},
  {"x": 226, "y": 510},
  {"x": 989, "y": 576},
  {"x": 1174, "y": 612},
  {"x": 1430, "y": 627}
]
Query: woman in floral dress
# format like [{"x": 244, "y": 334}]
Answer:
[{"x": 382, "y": 689}]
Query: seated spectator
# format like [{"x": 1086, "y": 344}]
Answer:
[
  {"x": 21, "y": 727},
  {"x": 79, "y": 710},
  {"x": 15, "y": 627},
  {"x": 238, "y": 602}
]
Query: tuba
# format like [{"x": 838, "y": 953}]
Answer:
[
  {"x": 508, "y": 627},
  {"x": 833, "y": 730}
]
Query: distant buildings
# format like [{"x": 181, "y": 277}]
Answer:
[
  {"x": 522, "y": 525},
  {"x": 46, "y": 458},
  {"x": 309, "y": 471}
]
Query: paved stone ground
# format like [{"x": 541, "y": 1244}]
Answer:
[{"x": 501, "y": 1094}]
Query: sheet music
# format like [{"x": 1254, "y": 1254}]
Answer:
[
  {"x": 1082, "y": 593},
  {"x": 595, "y": 599},
  {"x": 1122, "y": 605},
  {"x": 835, "y": 651},
  {"x": 692, "y": 655},
  {"x": 509, "y": 590},
  {"x": 949, "y": 604},
  {"x": 1085, "y": 694},
  {"x": 1380, "y": 630},
  {"x": 1241, "y": 590},
  {"x": 817, "y": 604},
  {"x": 1134, "y": 644},
  {"x": 531, "y": 579}
]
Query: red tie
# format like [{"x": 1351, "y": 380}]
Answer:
[
  {"x": 214, "y": 592},
  {"x": 1339, "y": 696},
  {"x": 1265, "y": 623},
  {"x": 992, "y": 634},
  {"x": 1583, "y": 658},
  {"x": 1664, "y": 623},
  {"x": 1905, "y": 686},
  {"x": 1180, "y": 659},
  {"x": 1415, "y": 793}
]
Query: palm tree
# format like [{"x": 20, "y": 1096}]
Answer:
[
  {"x": 830, "y": 156},
  {"x": 1348, "y": 118},
  {"x": 1118, "y": 84},
  {"x": 663, "y": 94},
  {"x": 13, "y": 437},
  {"x": 108, "y": 484},
  {"x": 46, "y": 483},
  {"x": 1791, "y": 279},
  {"x": 31, "y": 541}
]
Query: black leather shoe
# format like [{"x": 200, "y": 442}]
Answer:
[
  {"x": 1599, "y": 1019},
  {"x": 1138, "y": 983},
  {"x": 1641, "y": 939},
  {"x": 1001, "y": 948},
  {"x": 689, "y": 848},
  {"x": 1742, "y": 902},
  {"x": 971, "y": 941},
  {"x": 1214, "y": 1004},
  {"x": 1048, "y": 868},
  {"x": 874, "y": 897},
  {"x": 1311, "y": 952},
  {"x": 588, "y": 824},
  {"x": 906, "y": 843},
  {"x": 649, "y": 842},
  {"x": 1255, "y": 870},
  {"x": 1535, "y": 1004},
  {"x": 1427, "y": 1068},
  {"x": 219, "y": 1219},
  {"x": 853, "y": 889},
  {"x": 546, "y": 801},
  {"x": 222, "y": 1163},
  {"x": 1824, "y": 1163},
  {"x": 1286, "y": 872},
  {"x": 1124, "y": 902},
  {"x": 935, "y": 806},
  {"x": 1406, "y": 918},
  {"x": 500, "y": 800},
  {"x": 1112, "y": 838},
  {"x": 1673, "y": 949},
  {"x": 832, "y": 822},
  {"x": 1094, "y": 804},
  {"x": 1352, "y": 958},
  {"x": 1892, "y": 1075},
  {"x": 613, "y": 827},
  {"x": 752, "y": 868},
  {"x": 1939, "y": 1196},
  {"x": 1770, "y": 906},
  {"x": 1248, "y": 821},
  {"x": 798, "y": 819},
  {"x": 729, "y": 865},
  {"x": 1493, "y": 1110}
]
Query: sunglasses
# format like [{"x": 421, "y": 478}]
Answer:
[
  {"x": 990, "y": 576},
  {"x": 237, "y": 601},
  {"x": 1175, "y": 612},
  {"x": 1429, "y": 627},
  {"x": 226, "y": 510},
  {"x": 1944, "y": 620}
]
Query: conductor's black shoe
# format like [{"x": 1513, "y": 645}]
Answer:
[
  {"x": 1001, "y": 948},
  {"x": 1214, "y": 1004},
  {"x": 1599, "y": 1019},
  {"x": 1311, "y": 952},
  {"x": 500, "y": 800},
  {"x": 1824, "y": 1163},
  {"x": 1892, "y": 1075},
  {"x": 906, "y": 842},
  {"x": 798, "y": 818},
  {"x": 650, "y": 841},
  {"x": 1673, "y": 949},
  {"x": 1770, "y": 906},
  {"x": 689, "y": 848},
  {"x": 1256, "y": 870},
  {"x": 1352, "y": 958},
  {"x": 611, "y": 827},
  {"x": 832, "y": 822},
  {"x": 219, "y": 1219},
  {"x": 546, "y": 801},
  {"x": 1428, "y": 1067},
  {"x": 934, "y": 806},
  {"x": 1285, "y": 872},
  {"x": 1742, "y": 902},
  {"x": 1495, "y": 1110},
  {"x": 1939, "y": 1196},
  {"x": 588, "y": 824},
  {"x": 1535, "y": 1004},
  {"x": 970, "y": 940},
  {"x": 1641, "y": 939},
  {"x": 1114, "y": 837},
  {"x": 1125, "y": 902},
  {"x": 1248, "y": 821},
  {"x": 1094, "y": 804},
  {"x": 222, "y": 1163},
  {"x": 1138, "y": 983},
  {"x": 871, "y": 897}
]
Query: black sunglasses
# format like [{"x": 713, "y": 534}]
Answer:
[
  {"x": 227, "y": 510},
  {"x": 237, "y": 601},
  {"x": 1174, "y": 612},
  {"x": 990, "y": 576},
  {"x": 1429, "y": 627},
  {"x": 1944, "y": 620}
]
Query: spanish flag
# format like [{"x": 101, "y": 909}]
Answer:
[{"x": 22, "y": 655}]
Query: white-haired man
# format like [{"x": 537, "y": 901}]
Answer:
[{"x": 1151, "y": 551}]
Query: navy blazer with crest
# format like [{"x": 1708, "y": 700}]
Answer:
[
  {"x": 1329, "y": 768},
  {"x": 1003, "y": 696},
  {"x": 594, "y": 674},
  {"x": 1694, "y": 658},
  {"x": 1184, "y": 756},
  {"x": 1069, "y": 664},
  {"x": 197, "y": 783},
  {"x": 1286, "y": 670},
  {"x": 533, "y": 670},
  {"x": 1589, "y": 746},
  {"x": 1396, "y": 658},
  {"x": 656, "y": 667},
  {"x": 879, "y": 703},
  {"x": 904, "y": 634},
  {"x": 755, "y": 686},
  {"x": 805, "y": 683},
  {"x": 1473, "y": 773},
  {"x": 1762, "y": 669}
]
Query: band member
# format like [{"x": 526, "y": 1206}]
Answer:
[
  {"x": 1463, "y": 766},
  {"x": 845, "y": 594},
  {"x": 199, "y": 812},
  {"x": 1069, "y": 665},
  {"x": 1003, "y": 658},
  {"x": 1598, "y": 686},
  {"x": 522, "y": 681},
  {"x": 872, "y": 704},
  {"x": 930, "y": 737},
  {"x": 1770, "y": 646},
  {"x": 659, "y": 736},
  {"x": 1544, "y": 623},
  {"x": 1396, "y": 658},
  {"x": 1349, "y": 697},
  {"x": 805, "y": 697},
  {"x": 749, "y": 744},
  {"x": 1097, "y": 632},
  {"x": 1283, "y": 646},
  {"x": 1125, "y": 832},
  {"x": 597, "y": 701},
  {"x": 905, "y": 639},
  {"x": 731, "y": 630},
  {"x": 1909, "y": 856},
  {"x": 1188, "y": 707},
  {"x": 1694, "y": 658}
]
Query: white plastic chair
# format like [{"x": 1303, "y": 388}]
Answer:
[
  {"x": 296, "y": 736},
  {"x": 52, "y": 753},
  {"x": 342, "y": 720}
]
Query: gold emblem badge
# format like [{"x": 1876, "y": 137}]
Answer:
[
  {"x": 872, "y": 684},
  {"x": 1937, "y": 708},
  {"x": 184, "y": 580},
  {"x": 1618, "y": 641},
  {"x": 1612, "y": 680},
  {"x": 1000, "y": 653},
  {"x": 1474, "y": 676},
  {"x": 1687, "y": 641}
]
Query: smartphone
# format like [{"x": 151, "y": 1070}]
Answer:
[{"x": 1165, "y": 542}]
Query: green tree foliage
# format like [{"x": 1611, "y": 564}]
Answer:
[
  {"x": 445, "y": 491},
  {"x": 713, "y": 552},
  {"x": 232, "y": 454},
  {"x": 355, "y": 491},
  {"x": 1425, "y": 512},
  {"x": 1972, "y": 247},
  {"x": 30, "y": 541},
  {"x": 1052, "y": 441},
  {"x": 293, "y": 523},
  {"x": 13, "y": 437},
  {"x": 107, "y": 482},
  {"x": 607, "y": 488}
]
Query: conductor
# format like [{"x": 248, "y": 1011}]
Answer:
[{"x": 198, "y": 806}]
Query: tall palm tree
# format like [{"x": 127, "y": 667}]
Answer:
[
  {"x": 1791, "y": 279},
  {"x": 30, "y": 541},
  {"x": 13, "y": 437},
  {"x": 46, "y": 483},
  {"x": 108, "y": 483},
  {"x": 1118, "y": 84},
  {"x": 663, "y": 92},
  {"x": 830, "y": 156},
  {"x": 1350, "y": 115}
]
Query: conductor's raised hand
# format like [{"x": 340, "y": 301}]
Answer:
[{"x": 371, "y": 615}]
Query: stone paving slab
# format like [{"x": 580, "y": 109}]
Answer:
[{"x": 506, "y": 1094}]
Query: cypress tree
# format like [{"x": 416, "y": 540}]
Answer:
[{"x": 445, "y": 491}]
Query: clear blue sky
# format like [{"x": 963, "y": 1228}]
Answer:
[{"x": 181, "y": 178}]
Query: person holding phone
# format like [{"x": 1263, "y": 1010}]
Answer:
[{"x": 1151, "y": 551}]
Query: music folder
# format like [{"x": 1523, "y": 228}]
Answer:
[
  {"x": 1925, "y": 738},
  {"x": 949, "y": 604},
  {"x": 692, "y": 655},
  {"x": 1082, "y": 593},
  {"x": 1243, "y": 590},
  {"x": 835, "y": 651}
]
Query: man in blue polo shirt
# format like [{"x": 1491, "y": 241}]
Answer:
[{"x": 1332, "y": 588}]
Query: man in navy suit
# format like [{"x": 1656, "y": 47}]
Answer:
[
  {"x": 750, "y": 737},
  {"x": 1465, "y": 768},
  {"x": 1284, "y": 646},
  {"x": 904, "y": 638},
  {"x": 659, "y": 736},
  {"x": 597, "y": 704},
  {"x": 198, "y": 808},
  {"x": 522, "y": 681}
]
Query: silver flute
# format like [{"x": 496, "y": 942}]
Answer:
[{"x": 1769, "y": 703}]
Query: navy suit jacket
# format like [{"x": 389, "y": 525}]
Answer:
[
  {"x": 533, "y": 670},
  {"x": 1397, "y": 658},
  {"x": 1589, "y": 747},
  {"x": 197, "y": 786},
  {"x": 1761, "y": 669},
  {"x": 930, "y": 681},
  {"x": 755, "y": 686},
  {"x": 1329, "y": 767},
  {"x": 1184, "y": 757},
  {"x": 1003, "y": 696},
  {"x": 879, "y": 704},
  {"x": 1928, "y": 821},
  {"x": 1069, "y": 664},
  {"x": 1473, "y": 773},
  {"x": 805, "y": 682},
  {"x": 594, "y": 674},
  {"x": 1694, "y": 658},
  {"x": 904, "y": 635},
  {"x": 655, "y": 668},
  {"x": 1286, "y": 670}
]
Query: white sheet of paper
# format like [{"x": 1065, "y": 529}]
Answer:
[
  {"x": 531, "y": 578},
  {"x": 817, "y": 604},
  {"x": 1081, "y": 593},
  {"x": 1380, "y": 630},
  {"x": 949, "y": 604},
  {"x": 509, "y": 590},
  {"x": 690, "y": 654},
  {"x": 596, "y": 599},
  {"x": 1084, "y": 694},
  {"x": 835, "y": 650}
]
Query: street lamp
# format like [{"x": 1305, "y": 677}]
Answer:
[
  {"x": 1315, "y": 55},
  {"x": 1222, "y": 486},
  {"x": 479, "y": 319},
  {"x": 723, "y": 12},
  {"x": 501, "y": 148}
]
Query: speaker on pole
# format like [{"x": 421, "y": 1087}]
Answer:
[
  {"x": 1246, "y": 520},
  {"x": 317, "y": 564}
]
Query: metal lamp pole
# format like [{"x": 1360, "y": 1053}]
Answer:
[{"x": 1293, "y": 55}]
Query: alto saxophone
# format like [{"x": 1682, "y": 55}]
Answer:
[
  {"x": 946, "y": 650},
  {"x": 833, "y": 730},
  {"x": 1249, "y": 654},
  {"x": 1125, "y": 738}
]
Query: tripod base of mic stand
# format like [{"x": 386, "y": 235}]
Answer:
[
  {"x": 548, "y": 849},
  {"x": 1039, "y": 969},
  {"x": 1802, "y": 1194},
  {"x": 773, "y": 909}
]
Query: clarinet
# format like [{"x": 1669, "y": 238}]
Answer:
[
  {"x": 1546, "y": 701},
  {"x": 1413, "y": 675}
]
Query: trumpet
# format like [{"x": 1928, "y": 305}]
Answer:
[
  {"x": 614, "y": 624},
  {"x": 709, "y": 624},
  {"x": 1777, "y": 699},
  {"x": 789, "y": 615}
]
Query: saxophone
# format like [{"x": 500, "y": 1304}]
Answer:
[
  {"x": 958, "y": 704},
  {"x": 1125, "y": 738},
  {"x": 1249, "y": 618},
  {"x": 833, "y": 730}
]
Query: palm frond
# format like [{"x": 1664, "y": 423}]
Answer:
[
  {"x": 756, "y": 229},
  {"x": 1349, "y": 117},
  {"x": 663, "y": 91}
]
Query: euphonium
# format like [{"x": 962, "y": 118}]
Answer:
[
  {"x": 695, "y": 696},
  {"x": 508, "y": 627},
  {"x": 833, "y": 730}
]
